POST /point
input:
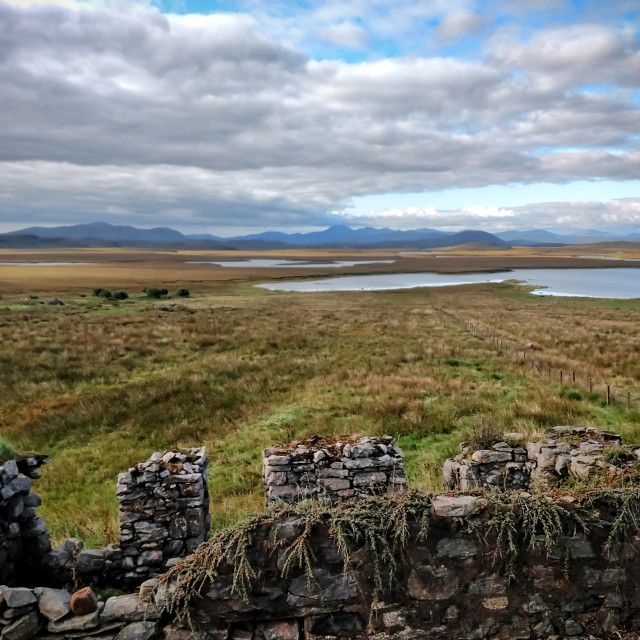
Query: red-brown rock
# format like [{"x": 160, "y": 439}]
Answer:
[{"x": 83, "y": 602}]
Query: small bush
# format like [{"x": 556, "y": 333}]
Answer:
[
  {"x": 155, "y": 294},
  {"x": 483, "y": 435},
  {"x": 183, "y": 293},
  {"x": 120, "y": 295},
  {"x": 102, "y": 293}
]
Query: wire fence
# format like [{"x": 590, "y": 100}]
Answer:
[{"x": 625, "y": 400}]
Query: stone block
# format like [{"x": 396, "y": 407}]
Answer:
[
  {"x": 77, "y": 623},
  {"x": 432, "y": 583},
  {"x": 340, "y": 624},
  {"x": 456, "y": 506},
  {"x": 457, "y": 548},
  {"x": 334, "y": 484},
  {"x": 23, "y": 628},
  {"x": 369, "y": 479},
  {"x": 90, "y": 562},
  {"x": 486, "y": 456},
  {"x": 17, "y": 597},
  {"x": 325, "y": 586},
  {"x": 129, "y": 608},
  {"x": 53, "y": 603},
  {"x": 143, "y": 630}
]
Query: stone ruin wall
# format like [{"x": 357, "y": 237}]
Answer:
[
  {"x": 164, "y": 511},
  {"x": 164, "y": 515},
  {"x": 330, "y": 469},
  {"x": 23, "y": 535},
  {"x": 451, "y": 586},
  {"x": 536, "y": 466}
]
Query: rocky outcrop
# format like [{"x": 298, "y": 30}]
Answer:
[
  {"x": 333, "y": 469},
  {"x": 539, "y": 466}
]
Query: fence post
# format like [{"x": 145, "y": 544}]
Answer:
[
  {"x": 590, "y": 385},
  {"x": 573, "y": 376},
  {"x": 549, "y": 372},
  {"x": 560, "y": 376},
  {"x": 628, "y": 401},
  {"x": 608, "y": 394}
]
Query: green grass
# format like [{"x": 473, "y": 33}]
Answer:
[{"x": 101, "y": 385}]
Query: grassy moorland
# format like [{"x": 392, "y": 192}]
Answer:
[{"x": 101, "y": 384}]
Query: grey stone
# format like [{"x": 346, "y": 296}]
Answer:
[
  {"x": 278, "y": 460},
  {"x": 449, "y": 472},
  {"x": 432, "y": 583},
  {"x": 536, "y": 604},
  {"x": 563, "y": 462},
  {"x": 90, "y": 561},
  {"x": 364, "y": 451},
  {"x": 324, "y": 586},
  {"x": 77, "y": 623},
  {"x": 486, "y": 456},
  {"x": 488, "y": 586},
  {"x": 339, "y": 624},
  {"x": 150, "y": 531},
  {"x": 53, "y": 603},
  {"x": 469, "y": 477},
  {"x": 572, "y": 627},
  {"x": 129, "y": 608},
  {"x": 368, "y": 479},
  {"x": 334, "y": 484},
  {"x": 457, "y": 548},
  {"x": 143, "y": 630},
  {"x": 17, "y": 597},
  {"x": 146, "y": 589},
  {"x": 23, "y": 628},
  {"x": 456, "y": 506},
  {"x": 613, "y": 600},
  {"x": 10, "y": 469},
  {"x": 178, "y": 526}
]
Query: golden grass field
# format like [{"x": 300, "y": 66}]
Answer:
[{"x": 100, "y": 384}]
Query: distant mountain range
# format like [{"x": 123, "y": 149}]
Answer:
[{"x": 102, "y": 234}]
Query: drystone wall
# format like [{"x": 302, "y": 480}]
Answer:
[
  {"x": 332, "y": 469},
  {"x": 23, "y": 535},
  {"x": 539, "y": 466},
  {"x": 451, "y": 585},
  {"x": 164, "y": 515},
  {"x": 56, "y": 614}
]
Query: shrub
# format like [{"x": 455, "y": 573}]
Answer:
[
  {"x": 120, "y": 295},
  {"x": 154, "y": 293},
  {"x": 183, "y": 293},
  {"x": 102, "y": 293}
]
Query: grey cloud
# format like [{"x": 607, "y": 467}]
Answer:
[
  {"x": 458, "y": 23},
  {"x": 122, "y": 109}
]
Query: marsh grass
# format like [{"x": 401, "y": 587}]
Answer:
[{"x": 100, "y": 385}]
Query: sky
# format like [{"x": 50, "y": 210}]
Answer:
[{"x": 237, "y": 116}]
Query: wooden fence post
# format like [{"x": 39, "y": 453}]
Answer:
[
  {"x": 560, "y": 376},
  {"x": 628, "y": 401},
  {"x": 590, "y": 385},
  {"x": 608, "y": 394},
  {"x": 573, "y": 376}
]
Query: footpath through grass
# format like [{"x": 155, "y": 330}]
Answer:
[{"x": 100, "y": 388}]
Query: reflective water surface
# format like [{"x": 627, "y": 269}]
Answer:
[{"x": 594, "y": 283}]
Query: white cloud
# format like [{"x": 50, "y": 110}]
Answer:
[
  {"x": 345, "y": 34},
  {"x": 122, "y": 108}
]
